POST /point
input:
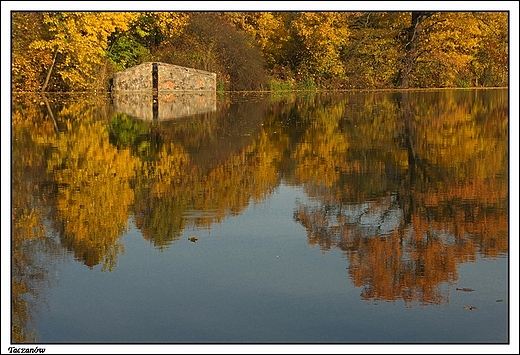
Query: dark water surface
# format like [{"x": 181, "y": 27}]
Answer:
[{"x": 366, "y": 217}]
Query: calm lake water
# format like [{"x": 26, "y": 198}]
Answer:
[{"x": 360, "y": 217}]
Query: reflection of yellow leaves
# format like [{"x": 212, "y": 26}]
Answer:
[
  {"x": 170, "y": 164},
  {"x": 462, "y": 213},
  {"x": 94, "y": 194},
  {"x": 29, "y": 225},
  {"x": 456, "y": 140},
  {"x": 178, "y": 185},
  {"x": 29, "y": 212},
  {"x": 323, "y": 149}
]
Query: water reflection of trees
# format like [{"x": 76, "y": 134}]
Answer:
[
  {"x": 93, "y": 187},
  {"x": 31, "y": 212},
  {"x": 187, "y": 182},
  {"x": 407, "y": 185},
  {"x": 406, "y": 218}
]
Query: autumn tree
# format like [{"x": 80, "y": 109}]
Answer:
[
  {"x": 411, "y": 39},
  {"x": 76, "y": 43},
  {"x": 61, "y": 51},
  {"x": 491, "y": 61},
  {"x": 211, "y": 43},
  {"x": 269, "y": 30},
  {"x": 372, "y": 54},
  {"x": 444, "y": 49},
  {"x": 26, "y": 61},
  {"x": 321, "y": 37}
]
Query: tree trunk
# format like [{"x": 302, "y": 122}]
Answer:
[
  {"x": 49, "y": 72},
  {"x": 412, "y": 37}
]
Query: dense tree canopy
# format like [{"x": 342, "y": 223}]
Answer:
[{"x": 79, "y": 51}]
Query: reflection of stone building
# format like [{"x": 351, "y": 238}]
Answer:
[
  {"x": 164, "y": 105},
  {"x": 160, "y": 91}
]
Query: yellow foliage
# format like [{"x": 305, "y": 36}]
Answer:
[
  {"x": 171, "y": 24},
  {"x": 267, "y": 28},
  {"x": 79, "y": 41},
  {"x": 323, "y": 35},
  {"x": 358, "y": 49}
]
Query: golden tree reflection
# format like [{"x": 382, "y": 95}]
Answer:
[
  {"x": 176, "y": 193},
  {"x": 407, "y": 185},
  {"x": 422, "y": 210},
  {"x": 93, "y": 180},
  {"x": 31, "y": 208}
]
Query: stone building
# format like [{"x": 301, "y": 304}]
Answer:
[
  {"x": 163, "y": 77},
  {"x": 160, "y": 91}
]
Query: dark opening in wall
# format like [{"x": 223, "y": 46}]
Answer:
[
  {"x": 155, "y": 94},
  {"x": 155, "y": 76}
]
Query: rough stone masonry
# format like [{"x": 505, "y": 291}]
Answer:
[{"x": 163, "y": 77}]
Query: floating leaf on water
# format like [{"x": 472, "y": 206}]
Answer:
[
  {"x": 500, "y": 300},
  {"x": 465, "y": 289}
]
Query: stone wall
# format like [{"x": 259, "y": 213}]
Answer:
[
  {"x": 134, "y": 79},
  {"x": 163, "y": 77},
  {"x": 174, "y": 77}
]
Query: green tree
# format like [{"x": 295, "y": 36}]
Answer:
[{"x": 126, "y": 52}]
